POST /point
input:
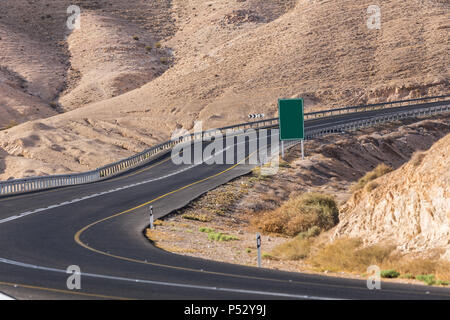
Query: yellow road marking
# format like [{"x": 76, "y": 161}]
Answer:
[
  {"x": 92, "y": 295},
  {"x": 81, "y": 243}
]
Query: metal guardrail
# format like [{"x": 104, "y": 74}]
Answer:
[{"x": 25, "y": 185}]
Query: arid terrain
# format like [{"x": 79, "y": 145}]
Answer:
[
  {"x": 404, "y": 214},
  {"x": 72, "y": 100}
]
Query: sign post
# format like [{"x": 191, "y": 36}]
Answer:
[{"x": 291, "y": 120}]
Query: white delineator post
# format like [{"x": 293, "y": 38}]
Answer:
[
  {"x": 258, "y": 246},
  {"x": 303, "y": 150},
  {"x": 151, "y": 218},
  {"x": 282, "y": 149}
]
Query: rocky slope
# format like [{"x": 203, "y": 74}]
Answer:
[
  {"x": 223, "y": 60},
  {"x": 409, "y": 207}
]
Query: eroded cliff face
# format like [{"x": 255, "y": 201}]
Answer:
[{"x": 409, "y": 207}]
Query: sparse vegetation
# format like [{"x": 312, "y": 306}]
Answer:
[
  {"x": 417, "y": 158},
  {"x": 300, "y": 214},
  {"x": 429, "y": 279},
  {"x": 217, "y": 236},
  {"x": 158, "y": 45},
  {"x": 372, "y": 186},
  {"x": 163, "y": 60},
  {"x": 379, "y": 171},
  {"x": 348, "y": 255},
  {"x": 148, "y": 48},
  {"x": 389, "y": 274},
  {"x": 136, "y": 38},
  {"x": 196, "y": 217}
]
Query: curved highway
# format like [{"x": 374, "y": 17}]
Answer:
[{"x": 99, "y": 227}]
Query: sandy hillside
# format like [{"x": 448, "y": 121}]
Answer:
[
  {"x": 215, "y": 61},
  {"x": 409, "y": 207}
]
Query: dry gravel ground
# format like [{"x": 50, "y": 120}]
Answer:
[
  {"x": 215, "y": 61},
  {"x": 333, "y": 164}
]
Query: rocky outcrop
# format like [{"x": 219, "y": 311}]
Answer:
[{"x": 409, "y": 207}]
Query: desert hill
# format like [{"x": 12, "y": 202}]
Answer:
[
  {"x": 137, "y": 70},
  {"x": 409, "y": 208}
]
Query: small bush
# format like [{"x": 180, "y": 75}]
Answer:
[
  {"x": 379, "y": 171},
  {"x": 442, "y": 283},
  {"x": 217, "y": 236},
  {"x": 312, "y": 232},
  {"x": 300, "y": 214},
  {"x": 407, "y": 276},
  {"x": 148, "y": 48},
  {"x": 417, "y": 158},
  {"x": 206, "y": 230},
  {"x": 268, "y": 256},
  {"x": 163, "y": 60},
  {"x": 372, "y": 186},
  {"x": 196, "y": 217},
  {"x": 389, "y": 274},
  {"x": 158, "y": 45},
  {"x": 136, "y": 38},
  {"x": 296, "y": 249},
  {"x": 429, "y": 279}
]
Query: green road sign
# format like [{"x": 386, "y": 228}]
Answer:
[{"x": 290, "y": 113}]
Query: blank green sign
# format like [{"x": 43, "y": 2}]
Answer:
[{"x": 290, "y": 112}]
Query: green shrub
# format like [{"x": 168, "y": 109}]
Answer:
[
  {"x": 217, "y": 236},
  {"x": 206, "y": 230},
  {"x": 389, "y": 274},
  {"x": 442, "y": 283},
  {"x": 429, "y": 279},
  {"x": 135, "y": 38}
]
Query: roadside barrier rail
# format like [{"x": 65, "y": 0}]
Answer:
[{"x": 437, "y": 104}]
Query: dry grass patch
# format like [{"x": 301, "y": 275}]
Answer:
[
  {"x": 299, "y": 214},
  {"x": 379, "y": 171},
  {"x": 349, "y": 255}
]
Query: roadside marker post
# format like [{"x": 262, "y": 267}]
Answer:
[
  {"x": 258, "y": 246},
  {"x": 151, "y": 218},
  {"x": 303, "y": 150}
]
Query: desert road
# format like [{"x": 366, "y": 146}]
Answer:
[{"x": 99, "y": 227}]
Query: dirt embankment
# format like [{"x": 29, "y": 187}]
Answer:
[{"x": 408, "y": 208}]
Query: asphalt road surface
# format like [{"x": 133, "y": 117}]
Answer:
[{"x": 99, "y": 227}]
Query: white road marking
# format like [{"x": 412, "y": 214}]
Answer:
[
  {"x": 15, "y": 217},
  {"x": 4, "y": 297},
  {"x": 168, "y": 284}
]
